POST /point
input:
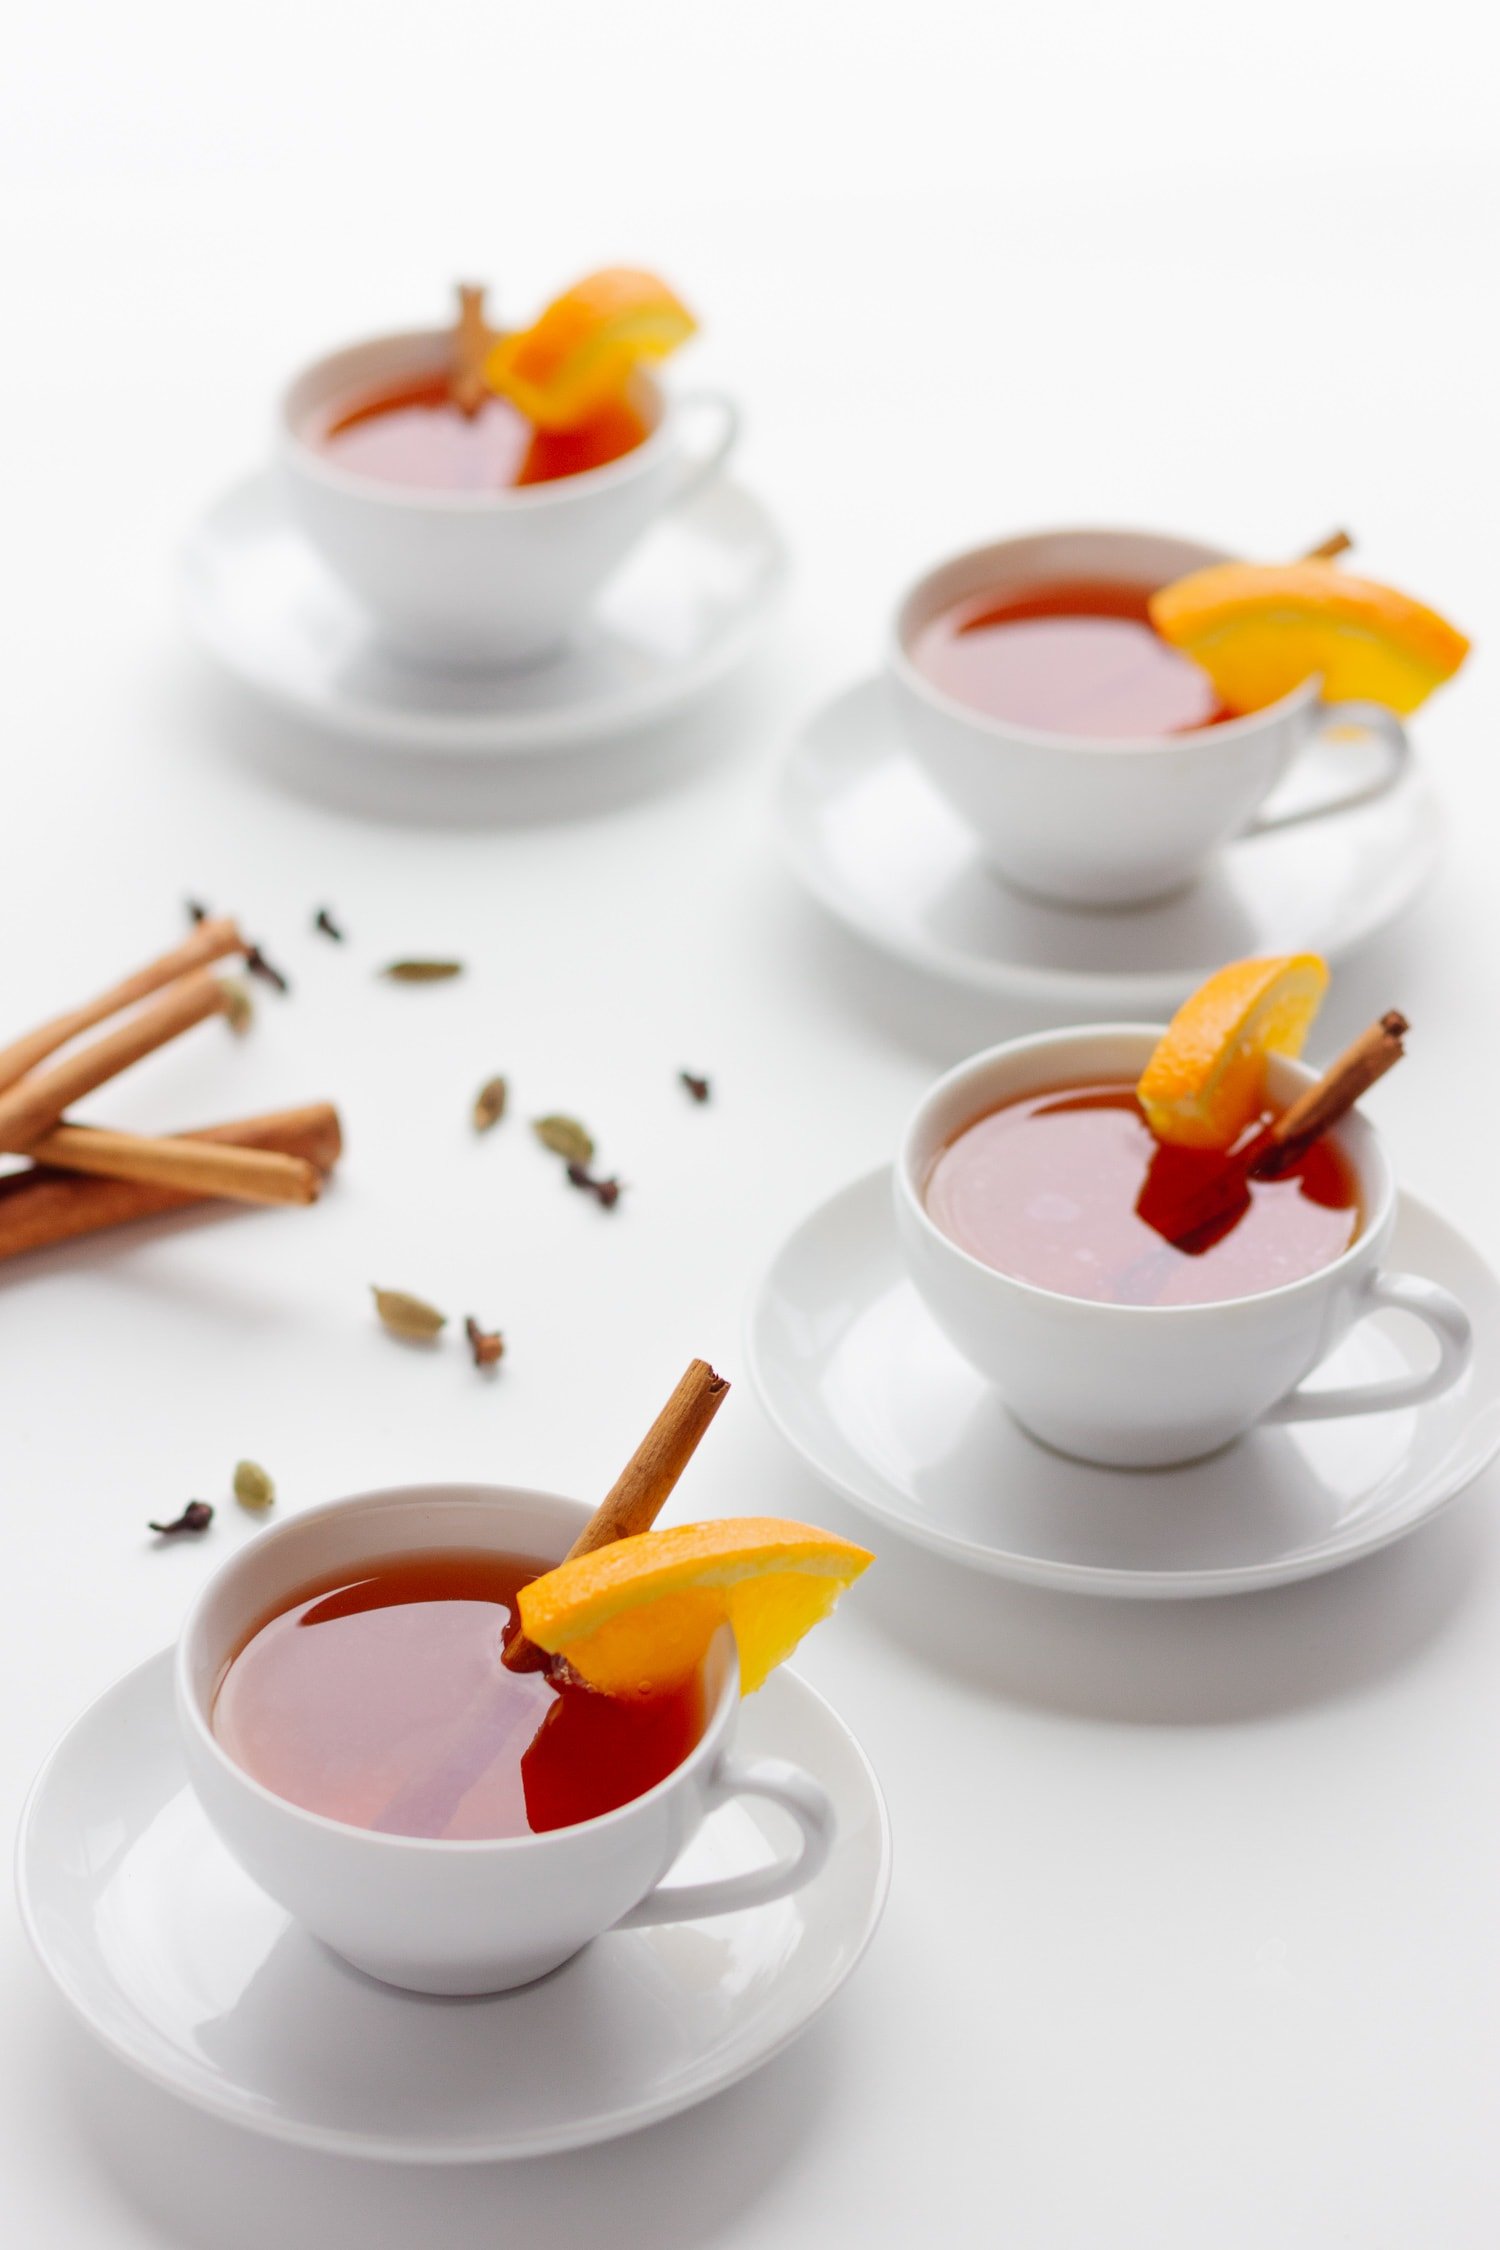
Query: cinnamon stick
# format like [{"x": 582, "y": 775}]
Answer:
[
  {"x": 242, "y": 1175},
  {"x": 471, "y": 344},
  {"x": 211, "y": 940},
  {"x": 1194, "y": 1221},
  {"x": 40, "y": 1207},
  {"x": 1357, "y": 1069},
  {"x": 637, "y": 1496},
  {"x": 1328, "y": 550},
  {"x": 36, "y": 1103}
]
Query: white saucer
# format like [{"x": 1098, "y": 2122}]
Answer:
[
  {"x": 686, "y": 608},
  {"x": 879, "y": 849},
  {"x": 190, "y": 1974},
  {"x": 859, "y": 1380}
]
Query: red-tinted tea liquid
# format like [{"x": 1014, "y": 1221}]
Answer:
[
  {"x": 1046, "y": 1189},
  {"x": 380, "y": 1699},
  {"x": 411, "y": 433},
  {"x": 1075, "y": 656}
]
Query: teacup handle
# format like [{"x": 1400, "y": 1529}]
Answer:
[
  {"x": 1393, "y": 738},
  {"x": 781, "y": 1784},
  {"x": 700, "y": 468},
  {"x": 1428, "y": 1302}
]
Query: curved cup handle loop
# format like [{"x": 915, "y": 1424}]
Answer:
[
  {"x": 1372, "y": 719},
  {"x": 699, "y": 468},
  {"x": 1438, "y": 1311},
  {"x": 781, "y": 1784}
]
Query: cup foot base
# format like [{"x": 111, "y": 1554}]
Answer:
[{"x": 472, "y": 1981}]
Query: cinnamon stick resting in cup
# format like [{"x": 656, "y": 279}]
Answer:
[
  {"x": 639, "y": 1493},
  {"x": 1194, "y": 1221}
]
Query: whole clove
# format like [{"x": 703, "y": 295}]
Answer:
[
  {"x": 267, "y": 971},
  {"x": 196, "y": 910},
  {"x": 699, "y": 1088},
  {"x": 196, "y": 1516},
  {"x": 487, "y": 1345},
  {"x": 325, "y": 922},
  {"x": 605, "y": 1192}
]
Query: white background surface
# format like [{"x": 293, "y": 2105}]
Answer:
[{"x": 1192, "y": 1939}]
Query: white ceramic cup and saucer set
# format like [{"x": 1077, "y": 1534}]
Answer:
[
  {"x": 511, "y": 621},
  {"x": 1127, "y": 1449},
  {"x": 212, "y": 1939},
  {"x": 1096, "y": 873}
]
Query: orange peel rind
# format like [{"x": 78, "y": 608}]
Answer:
[
  {"x": 1206, "y": 1079},
  {"x": 579, "y": 357},
  {"x": 1261, "y": 629},
  {"x": 636, "y": 1617}
]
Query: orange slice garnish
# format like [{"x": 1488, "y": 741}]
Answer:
[
  {"x": 1260, "y": 629},
  {"x": 636, "y": 1617},
  {"x": 1206, "y": 1079},
  {"x": 579, "y": 357}
]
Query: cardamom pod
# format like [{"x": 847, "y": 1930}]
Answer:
[
  {"x": 253, "y": 1488},
  {"x": 239, "y": 1008},
  {"x": 421, "y": 972},
  {"x": 409, "y": 1316},
  {"x": 489, "y": 1104},
  {"x": 565, "y": 1137}
]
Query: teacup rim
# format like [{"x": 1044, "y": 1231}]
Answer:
[
  {"x": 899, "y": 663},
  {"x": 188, "y": 1702},
  {"x": 1353, "y": 1126},
  {"x": 306, "y": 460}
]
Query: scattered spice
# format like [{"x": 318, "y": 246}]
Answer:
[
  {"x": 239, "y": 1008},
  {"x": 253, "y": 1488},
  {"x": 487, "y": 1345},
  {"x": 699, "y": 1088},
  {"x": 325, "y": 922},
  {"x": 605, "y": 1192},
  {"x": 409, "y": 1316},
  {"x": 267, "y": 971},
  {"x": 565, "y": 1137},
  {"x": 421, "y": 972},
  {"x": 489, "y": 1104},
  {"x": 196, "y": 910},
  {"x": 196, "y": 1516}
]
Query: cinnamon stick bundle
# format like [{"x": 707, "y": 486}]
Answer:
[
  {"x": 213, "y": 939},
  {"x": 41, "y": 1206}
]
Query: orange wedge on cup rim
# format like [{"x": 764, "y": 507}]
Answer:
[
  {"x": 1260, "y": 629},
  {"x": 1206, "y": 1079},
  {"x": 580, "y": 355},
  {"x": 636, "y": 1617}
]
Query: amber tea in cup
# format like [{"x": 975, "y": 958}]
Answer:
[
  {"x": 412, "y": 432},
  {"x": 1070, "y": 1191},
  {"x": 1075, "y": 657},
  {"x": 378, "y": 1698}
]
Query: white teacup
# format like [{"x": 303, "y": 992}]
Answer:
[
  {"x": 1093, "y": 821},
  {"x": 1147, "y": 1386},
  {"x": 436, "y": 1915},
  {"x": 479, "y": 579}
]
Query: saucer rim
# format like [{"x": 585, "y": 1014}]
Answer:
[
  {"x": 334, "y": 2141},
  {"x": 1017, "y": 981},
  {"x": 1099, "y": 1581},
  {"x": 671, "y": 689}
]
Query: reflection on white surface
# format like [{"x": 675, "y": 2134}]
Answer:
[
  {"x": 193, "y": 1973},
  {"x": 862, "y": 1380}
]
